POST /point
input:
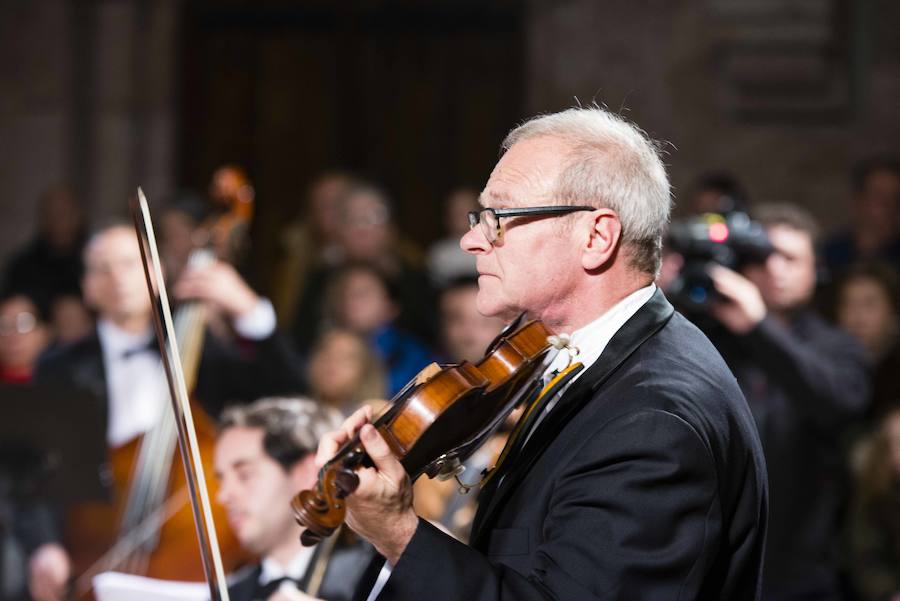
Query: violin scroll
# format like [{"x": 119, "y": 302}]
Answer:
[{"x": 321, "y": 509}]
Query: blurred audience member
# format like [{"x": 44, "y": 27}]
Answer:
[
  {"x": 309, "y": 243},
  {"x": 446, "y": 259},
  {"x": 23, "y": 337},
  {"x": 466, "y": 334},
  {"x": 868, "y": 306},
  {"x": 232, "y": 197},
  {"x": 344, "y": 372},
  {"x": 71, "y": 319},
  {"x": 263, "y": 457},
  {"x": 50, "y": 266},
  {"x": 875, "y": 524},
  {"x": 365, "y": 302},
  {"x": 875, "y": 233},
  {"x": 178, "y": 235},
  {"x": 367, "y": 233},
  {"x": 716, "y": 192},
  {"x": 804, "y": 381}
]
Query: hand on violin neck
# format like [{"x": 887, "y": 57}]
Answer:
[
  {"x": 219, "y": 284},
  {"x": 380, "y": 510}
]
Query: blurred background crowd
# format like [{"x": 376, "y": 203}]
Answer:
[{"x": 328, "y": 159}]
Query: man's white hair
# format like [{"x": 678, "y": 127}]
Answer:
[{"x": 612, "y": 164}]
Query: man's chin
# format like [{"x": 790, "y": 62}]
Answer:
[{"x": 491, "y": 308}]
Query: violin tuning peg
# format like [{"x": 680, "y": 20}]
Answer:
[
  {"x": 309, "y": 538},
  {"x": 346, "y": 481}
]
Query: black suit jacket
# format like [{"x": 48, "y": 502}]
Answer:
[
  {"x": 345, "y": 566},
  {"x": 805, "y": 383},
  {"x": 646, "y": 481},
  {"x": 227, "y": 373}
]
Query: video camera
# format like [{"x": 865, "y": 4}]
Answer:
[{"x": 731, "y": 239}]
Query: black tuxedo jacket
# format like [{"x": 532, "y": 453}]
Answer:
[
  {"x": 347, "y": 563},
  {"x": 646, "y": 481},
  {"x": 226, "y": 373}
]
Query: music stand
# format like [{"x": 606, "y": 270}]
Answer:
[{"x": 65, "y": 427}]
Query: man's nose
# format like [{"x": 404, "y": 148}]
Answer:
[{"x": 474, "y": 242}]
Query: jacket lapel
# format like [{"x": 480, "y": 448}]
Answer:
[
  {"x": 649, "y": 319},
  {"x": 243, "y": 584}
]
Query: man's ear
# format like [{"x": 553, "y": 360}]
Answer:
[{"x": 601, "y": 239}]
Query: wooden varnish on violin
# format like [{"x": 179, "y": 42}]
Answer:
[{"x": 433, "y": 424}]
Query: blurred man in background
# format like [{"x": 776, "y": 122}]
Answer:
[
  {"x": 118, "y": 363},
  {"x": 804, "y": 380},
  {"x": 264, "y": 456}
]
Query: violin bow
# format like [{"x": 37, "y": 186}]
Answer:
[{"x": 210, "y": 556}]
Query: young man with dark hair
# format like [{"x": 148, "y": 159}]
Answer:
[{"x": 264, "y": 456}]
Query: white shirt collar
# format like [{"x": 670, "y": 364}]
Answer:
[
  {"x": 115, "y": 341},
  {"x": 295, "y": 569},
  {"x": 591, "y": 339}
]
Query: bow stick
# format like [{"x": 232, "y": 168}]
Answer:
[{"x": 187, "y": 435}]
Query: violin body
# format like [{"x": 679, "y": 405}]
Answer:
[
  {"x": 433, "y": 425},
  {"x": 92, "y": 529}
]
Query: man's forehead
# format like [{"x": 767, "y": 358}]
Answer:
[
  {"x": 242, "y": 443},
  {"x": 491, "y": 198},
  {"x": 525, "y": 175}
]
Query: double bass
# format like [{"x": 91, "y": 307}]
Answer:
[{"x": 149, "y": 527}]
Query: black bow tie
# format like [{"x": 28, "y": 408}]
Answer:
[
  {"x": 264, "y": 591},
  {"x": 148, "y": 347}
]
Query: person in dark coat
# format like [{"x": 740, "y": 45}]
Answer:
[
  {"x": 642, "y": 477},
  {"x": 49, "y": 266},
  {"x": 806, "y": 383}
]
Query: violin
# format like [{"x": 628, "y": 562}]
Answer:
[{"x": 433, "y": 424}]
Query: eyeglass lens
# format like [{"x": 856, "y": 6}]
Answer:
[{"x": 22, "y": 323}]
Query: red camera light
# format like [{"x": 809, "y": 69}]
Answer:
[{"x": 718, "y": 232}]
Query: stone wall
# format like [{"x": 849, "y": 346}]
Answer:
[
  {"x": 713, "y": 78},
  {"x": 87, "y": 97},
  {"x": 786, "y": 93}
]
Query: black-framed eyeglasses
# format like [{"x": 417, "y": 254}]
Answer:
[{"x": 489, "y": 219}]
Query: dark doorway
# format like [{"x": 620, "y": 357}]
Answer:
[{"x": 416, "y": 96}]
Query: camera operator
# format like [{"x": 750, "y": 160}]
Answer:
[{"x": 804, "y": 381}]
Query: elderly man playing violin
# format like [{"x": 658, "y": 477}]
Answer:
[{"x": 640, "y": 478}]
